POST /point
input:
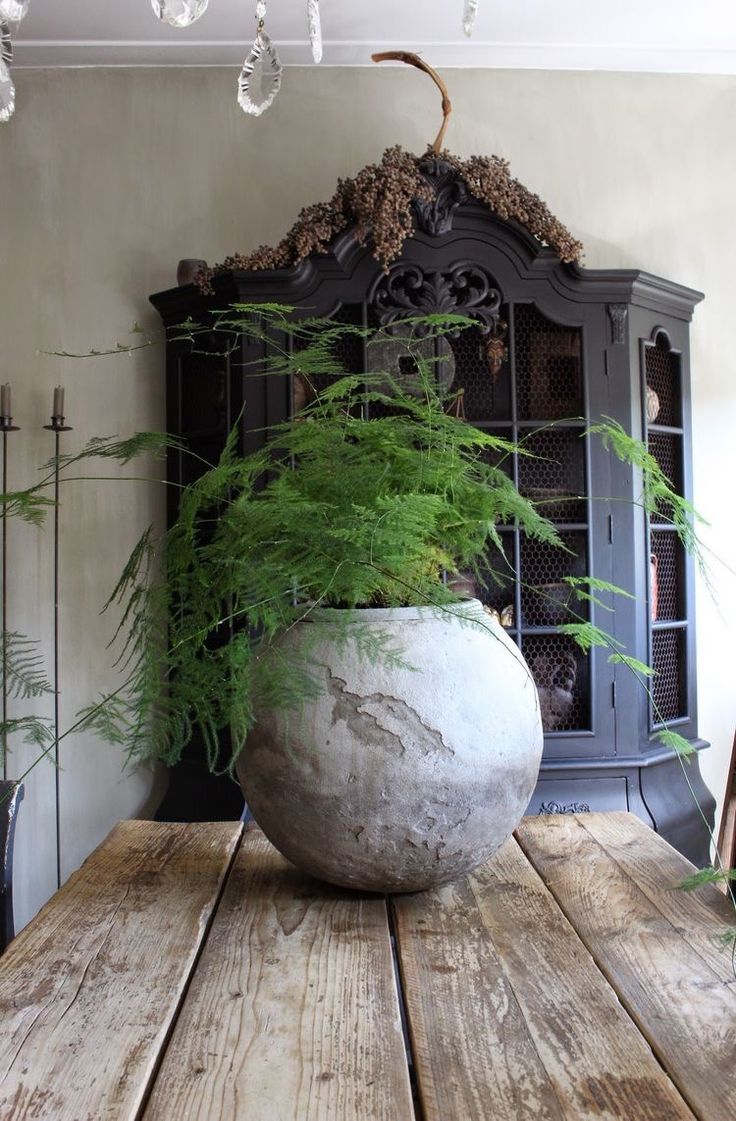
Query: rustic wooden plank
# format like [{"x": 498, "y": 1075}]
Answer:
[
  {"x": 614, "y": 880},
  {"x": 658, "y": 870},
  {"x": 89, "y": 989},
  {"x": 293, "y": 1011},
  {"x": 510, "y": 1018}
]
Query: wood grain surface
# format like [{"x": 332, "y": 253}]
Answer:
[
  {"x": 88, "y": 990},
  {"x": 293, "y": 1012},
  {"x": 510, "y": 1018},
  {"x": 616, "y": 881},
  {"x": 274, "y": 998}
]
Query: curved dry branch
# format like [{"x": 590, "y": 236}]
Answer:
[{"x": 412, "y": 59}]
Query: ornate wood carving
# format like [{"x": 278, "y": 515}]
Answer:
[
  {"x": 618, "y": 314},
  {"x": 450, "y": 191},
  {"x": 465, "y": 289},
  {"x": 564, "y": 808}
]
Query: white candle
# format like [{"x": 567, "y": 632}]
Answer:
[
  {"x": 5, "y": 400},
  {"x": 58, "y": 401}
]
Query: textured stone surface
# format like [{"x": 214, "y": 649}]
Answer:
[{"x": 395, "y": 779}]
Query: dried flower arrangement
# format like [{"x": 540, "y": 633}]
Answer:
[{"x": 378, "y": 204}]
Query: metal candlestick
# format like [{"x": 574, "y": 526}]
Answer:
[
  {"x": 6, "y": 425},
  {"x": 57, "y": 426}
]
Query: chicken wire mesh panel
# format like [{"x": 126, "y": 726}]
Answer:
[
  {"x": 552, "y": 474},
  {"x": 662, "y": 369},
  {"x": 485, "y": 384},
  {"x": 561, "y": 673},
  {"x": 495, "y": 588},
  {"x": 667, "y": 450},
  {"x": 546, "y": 600},
  {"x": 347, "y": 351},
  {"x": 667, "y": 577},
  {"x": 549, "y": 383},
  {"x": 500, "y": 457},
  {"x": 669, "y": 694}
]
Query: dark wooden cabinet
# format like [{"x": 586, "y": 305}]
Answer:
[{"x": 555, "y": 348}]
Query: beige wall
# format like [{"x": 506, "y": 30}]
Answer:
[{"x": 107, "y": 178}]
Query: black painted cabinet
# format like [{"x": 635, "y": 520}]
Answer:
[{"x": 556, "y": 347}]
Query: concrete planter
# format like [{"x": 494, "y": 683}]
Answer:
[{"x": 397, "y": 778}]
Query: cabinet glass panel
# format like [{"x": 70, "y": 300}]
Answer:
[
  {"x": 663, "y": 384},
  {"x": 496, "y": 587},
  {"x": 562, "y": 676},
  {"x": 549, "y": 382},
  {"x": 546, "y": 600},
  {"x": 667, "y": 450},
  {"x": 667, "y": 577},
  {"x": 552, "y": 474},
  {"x": 669, "y": 685},
  {"x": 486, "y": 384},
  {"x": 662, "y": 399}
]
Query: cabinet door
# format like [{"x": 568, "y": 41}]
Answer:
[
  {"x": 536, "y": 393},
  {"x": 670, "y": 630},
  {"x": 658, "y": 626}
]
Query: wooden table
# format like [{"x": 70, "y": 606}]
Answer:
[{"x": 188, "y": 972}]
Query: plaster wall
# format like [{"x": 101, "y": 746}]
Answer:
[{"x": 108, "y": 177}]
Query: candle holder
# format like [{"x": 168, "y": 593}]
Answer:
[
  {"x": 6, "y": 419},
  {"x": 6, "y": 425},
  {"x": 57, "y": 412},
  {"x": 57, "y": 426}
]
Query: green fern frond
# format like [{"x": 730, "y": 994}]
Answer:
[
  {"x": 708, "y": 875},
  {"x": 23, "y": 666},
  {"x": 676, "y": 742},
  {"x": 634, "y": 664},
  {"x": 586, "y": 635},
  {"x": 29, "y": 505},
  {"x": 34, "y": 730}
]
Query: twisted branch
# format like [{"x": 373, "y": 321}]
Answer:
[{"x": 412, "y": 59}]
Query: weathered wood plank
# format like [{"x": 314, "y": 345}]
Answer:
[
  {"x": 88, "y": 990},
  {"x": 658, "y": 869},
  {"x": 293, "y": 1013},
  {"x": 510, "y": 1018},
  {"x": 614, "y": 879}
]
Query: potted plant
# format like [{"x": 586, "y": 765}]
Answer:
[{"x": 386, "y": 731}]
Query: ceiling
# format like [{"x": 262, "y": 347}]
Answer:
[{"x": 676, "y": 36}]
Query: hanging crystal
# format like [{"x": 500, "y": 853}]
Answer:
[
  {"x": 7, "y": 92},
  {"x": 6, "y": 45},
  {"x": 177, "y": 13},
  {"x": 260, "y": 78},
  {"x": 315, "y": 29},
  {"x": 12, "y": 11},
  {"x": 470, "y": 11}
]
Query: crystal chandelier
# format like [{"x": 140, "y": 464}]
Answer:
[{"x": 260, "y": 78}]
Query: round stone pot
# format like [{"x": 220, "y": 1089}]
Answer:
[{"x": 398, "y": 777}]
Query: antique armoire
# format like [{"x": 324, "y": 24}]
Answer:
[{"x": 571, "y": 345}]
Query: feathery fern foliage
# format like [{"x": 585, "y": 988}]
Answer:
[{"x": 372, "y": 495}]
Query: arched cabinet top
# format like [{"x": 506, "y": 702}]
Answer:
[{"x": 523, "y": 268}]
